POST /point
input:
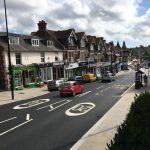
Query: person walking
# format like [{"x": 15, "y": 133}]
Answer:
[{"x": 145, "y": 80}]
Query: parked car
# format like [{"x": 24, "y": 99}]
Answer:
[
  {"x": 55, "y": 84},
  {"x": 71, "y": 87},
  {"x": 98, "y": 76},
  {"x": 79, "y": 79},
  {"x": 108, "y": 76},
  {"x": 89, "y": 77}
]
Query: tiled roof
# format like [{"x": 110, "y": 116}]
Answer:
[{"x": 25, "y": 44}]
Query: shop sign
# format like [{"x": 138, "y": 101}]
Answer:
[
  {"x": 73, "y": 65},
  {"x": 58, "y": 63}
]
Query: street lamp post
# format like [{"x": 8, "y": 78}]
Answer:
[{"x": 9, "y": 58}]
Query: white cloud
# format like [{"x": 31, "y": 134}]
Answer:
[{"x": 112, "y": 19}]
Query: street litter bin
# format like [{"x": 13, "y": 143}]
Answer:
[{"x": 138, "y": 79}]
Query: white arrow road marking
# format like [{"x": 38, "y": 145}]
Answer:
[
  {"x": 52, "y": 106},
  {"x": 31, "y": 103},
  {"x": 15, "y": 127},
  {"x": 83, "y": 94},
  {"x": 8, "y": 119}
]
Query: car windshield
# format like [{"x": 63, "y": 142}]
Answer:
[{"x": 66, "y": 84}]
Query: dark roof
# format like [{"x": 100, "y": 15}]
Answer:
[
  {"x": 25, "y": 43},
  {"x": 63, "y": 34},
  {"x": 80, "y": 35}
]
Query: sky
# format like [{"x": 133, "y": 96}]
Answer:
[{"x": 115, "y": 20}]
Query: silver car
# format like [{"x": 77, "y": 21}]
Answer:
[
  {"x": 108, "y": 77},
  {"x": 55, "y": 84}
]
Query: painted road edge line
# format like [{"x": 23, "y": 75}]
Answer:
[
  {"x": 8, "y": 119},
  {"x": 127, "y": 90},
  {"x": 95, "y": 126},
  {"x": 15, "y": 127}
]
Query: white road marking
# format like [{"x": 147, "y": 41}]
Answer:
[
  {"x": 31, "y": 103},
  {"x": 8, "y": 119},
  {"x": 60, "y": 105},
  {"x": 28, "y": 117},
  {"x": 100, "y": 87},
  {"x": 15, "y": 127},
  {"x": 80, "y": 109},
  {"x": 52, "y": 105},
  {"x": 83, "y": 94}
]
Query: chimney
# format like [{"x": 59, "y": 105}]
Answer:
[{"x": 42, "y": 25}]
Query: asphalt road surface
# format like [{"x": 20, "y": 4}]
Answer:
[{"x": 51, "y": 122}]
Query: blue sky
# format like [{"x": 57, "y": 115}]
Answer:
[{"x": 115, "y": 20}]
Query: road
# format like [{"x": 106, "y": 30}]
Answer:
[{"x": 51, "y": 122}]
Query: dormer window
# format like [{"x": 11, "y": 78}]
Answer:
[
  {"x": 91, "y": 47},
  {"x": 49, "y": 43},
  {"x": 35, "y": 42},
  {"x": 13, "y": 40},
  {"x": 82, "y": 43},
  {"x": 71, "y": 40}
]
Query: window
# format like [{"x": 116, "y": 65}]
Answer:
[
  {"x": 56, "y": 58},
  {"x": 82, "y": 43},
  {"x": 18, "y": 58},
  {"x": 49, "y": 43},
  {"x": 91, "y": 47},
  {"x": 13, "y": 40},
  {"x": 35, "y": 42},
  {"x": 71, "y": 40},
  {"x": 42, "y": 57}
]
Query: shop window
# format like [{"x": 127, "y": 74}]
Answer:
[
  {"x": 18, "y": 58},
  {"x": 32, "y": 76}
]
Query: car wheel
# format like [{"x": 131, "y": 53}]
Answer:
[
  {"x": 73, "y": 93},
  {"x": 82, "y": 91}
]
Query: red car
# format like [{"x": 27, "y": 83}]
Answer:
[{"x": 71, "y": 87}]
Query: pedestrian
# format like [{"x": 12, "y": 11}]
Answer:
[{"x": 145, "y": 80}]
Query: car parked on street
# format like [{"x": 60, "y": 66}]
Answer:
[
  {"x": 71, "y": 88},
  {"x": 108, "y": 76},
  {"x": 89, "y": 77},
  {"x": 79, "y": 79},
  {"x": 55, "y": 84}
]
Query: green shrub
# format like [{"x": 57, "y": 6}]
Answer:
[{"x": 134, "y": 132}]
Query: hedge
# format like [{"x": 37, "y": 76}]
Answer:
[{"x": 134, "y": 132}]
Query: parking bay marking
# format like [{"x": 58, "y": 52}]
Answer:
[
  {"x": 31, "y": 103},
  {"x": 15, "y": 127},
  {"x": 83, "y": 94},
  {"x": 8, "y": 119},
  {"x": 55, "y": 105}
]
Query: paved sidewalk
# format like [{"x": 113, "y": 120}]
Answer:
[
  {"x": 5, "y": 96},
  {"x": 104, "y": 130}
]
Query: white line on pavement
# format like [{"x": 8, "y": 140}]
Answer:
[
  {"x": 51, "y": 105},
  {"x": 83, "y": 94},
  {"x": 8, "y": 119},
  {"x": 15, "y": 127},
  {"x": 100, "y": 87},
  {"x": 60, "y": 105}
]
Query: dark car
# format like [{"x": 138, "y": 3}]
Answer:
[{"x": 79, "y": 79}]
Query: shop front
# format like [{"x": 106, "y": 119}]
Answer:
[
  {"x": 91, "y": 67},
  {"x": 46, "y": 72},
  {"x": 25, "y": 76},
  {"x": 71, "y": 70},
  {"x": 83, "y": 68},
  {"x": 58, "y": 70}
]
